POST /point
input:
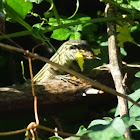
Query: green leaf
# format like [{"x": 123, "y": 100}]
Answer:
[
  {"x": 53, "y": 21},
  {"x": 75, "y": 35},
  {"x": 61, "y": 34},
  {"x": 65, "y": 33},
  {"x": 123, "y": 52},
  {"x": 73, "y": 32},
  {"x": 137, "y": 124},
  {"x": 134, "y": 28},
  {"x": 104, "y": 130},
  {"x": 134, "y": 111},
  {"x": 135, "y": 4},
  {"x": 129, "y": 121},
  {"x": 82, "y": 130},
  {"x": 137, "y": 74},
  {"x": 20, "y": 7},
  {"x": 124, "y": 35},
  {"x": 55, "y": 138},
  {"x": 83, "y": 17},
  {"x": 38, "y": 26},
  {"x": 104, "y": 43},
  {"x": 96, "y": 122},
  {"x": 135, "y": 96},
  {"x": 121, "y": 138},
  {"x": 16, "y": 17},
  {"x": 76, "y": 28}
]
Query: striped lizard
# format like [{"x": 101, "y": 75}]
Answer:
[{"x": 64, "y": 56}]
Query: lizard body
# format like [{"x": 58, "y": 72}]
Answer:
[{"x": 64, "y": 56}]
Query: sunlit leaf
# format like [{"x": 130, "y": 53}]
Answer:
[
  {"x": 20, "y": 7},
  {"x": 61, "y": 34},
  {"x": 75, "y": 35},
  {"x": 124, "y": 35},
  {"x": 104, "y": 130},
  {"x": 129, "y": 121},
  {"x": 97, "y": 51},
  {"x": 137, "y": 74},
  {"x": 55, "y": 138},
  {"x": 123, "y": 52},
  {"x": 135, "y": 4},
  {"x": 135, "y": 96}
]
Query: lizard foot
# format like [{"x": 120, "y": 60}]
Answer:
[{"x": 68, "y": 78}]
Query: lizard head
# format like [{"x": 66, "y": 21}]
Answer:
[
  {"x": 74, "y": 50},
  {"x": 77, "y": 50},
  {"x": 80, "y": 46}
]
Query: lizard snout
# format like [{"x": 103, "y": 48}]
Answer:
[{"x": 89, "y": 55}]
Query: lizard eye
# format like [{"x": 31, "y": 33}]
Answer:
[{"x": 75, "y": 47}]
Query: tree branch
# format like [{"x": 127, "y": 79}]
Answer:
[
  {"x": 20, "y": 97},
  {"x": 115, "y": 63}
]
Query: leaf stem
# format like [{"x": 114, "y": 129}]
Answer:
[{"x": 55, "y": 13}]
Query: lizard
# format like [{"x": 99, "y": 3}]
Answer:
[{"x": 64, "y": 56}]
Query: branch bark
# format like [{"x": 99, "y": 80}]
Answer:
[
  {"x": 115, "y": 63},
  {"x": 20, "y": 97}
]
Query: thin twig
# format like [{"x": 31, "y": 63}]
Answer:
[
  {"x": 43, "y": 128},
  {"x": 33, "y": 91}
]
